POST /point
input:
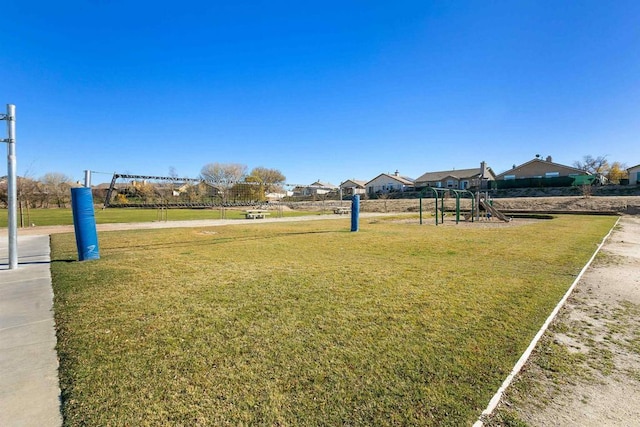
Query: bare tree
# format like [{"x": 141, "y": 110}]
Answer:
[
  {"x": 57, "y": 186},
  {"x": 29, "y": 189},
  {"x": 586, "y": 190},
  {"x": 384, "y": 196},
  {"x": 223, "y": 176},
  {"x": 593, "y": 165}
]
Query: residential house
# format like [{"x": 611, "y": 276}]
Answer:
[
  {"x": 351, "y": 187},
  {"x": 318, "y": 188},
  {"x": 634, "y": 175},
  {"x": 179, "y": 188},
  {"x": 276, "y": 196},
  {"x": 389, "y": 183},
  {"x": 539, "y": 173},
  {"x": 458, "y": 179},
  {"x": 538, "y": 168}
]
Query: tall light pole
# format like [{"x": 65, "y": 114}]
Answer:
[{"x": 12, "y": 188}]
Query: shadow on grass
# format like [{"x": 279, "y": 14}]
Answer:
[{"x": 6, "y": 264}]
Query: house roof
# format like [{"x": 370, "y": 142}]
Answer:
[
  {"x": 634, "y": 167},
  {"x": 320, "y": 184},
  {"x": 357, "y": 182},
  {"x": 401, "y": 179},
  {"x": 510, "y": 171},
  {"x": 455, "y": 173}
]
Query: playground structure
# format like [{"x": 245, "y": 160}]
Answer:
[
  {"x": 493, "y": 211},
  {"x": 478, "y": 200}
]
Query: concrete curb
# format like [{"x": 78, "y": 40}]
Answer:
[{"x": 527, "y": 353}]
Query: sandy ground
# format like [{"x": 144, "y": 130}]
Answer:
[{"x": 601, "y": 320}]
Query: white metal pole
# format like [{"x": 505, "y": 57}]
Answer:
[
  {"x": 87, "y": 178},
  {"x": 12, "y": 190}
]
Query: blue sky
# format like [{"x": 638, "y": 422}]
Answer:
[{"x": 328, "y": 90}]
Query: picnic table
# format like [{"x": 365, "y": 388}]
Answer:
[
  {"x": 341, "y": 211},
  {"x": 256, "y": 213}
]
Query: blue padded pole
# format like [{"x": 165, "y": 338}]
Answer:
[
  {"x": 84, "y": 223},
  {"x": 355, "y": 212}
]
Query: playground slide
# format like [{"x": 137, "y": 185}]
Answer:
[{"x": 494, "y": 212}]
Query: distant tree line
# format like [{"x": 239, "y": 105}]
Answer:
[
  {"x": 53, "y": 189},
  {"x": 226, "y": 181}
]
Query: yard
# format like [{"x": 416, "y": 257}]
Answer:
[{"x": 305, "y": 323}]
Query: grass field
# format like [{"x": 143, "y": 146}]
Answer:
[
  {"x": 305, "y": 323},
  {"x": 45, "y": 217}
]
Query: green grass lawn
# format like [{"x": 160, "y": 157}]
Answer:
[
  {"x": 300, "y": 324},
  {"x": 44, "y": 217}
]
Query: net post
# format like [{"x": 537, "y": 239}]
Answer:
[{"x": 355, "y": 213}]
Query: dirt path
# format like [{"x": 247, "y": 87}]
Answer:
[{"x": 586, "y": 370}]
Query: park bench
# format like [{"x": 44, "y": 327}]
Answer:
[
  {"x": 256, "y": 214},
  {"x": 341, "y": 211}
]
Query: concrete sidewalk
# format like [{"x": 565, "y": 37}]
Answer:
[{"x": 29, "y": 389}]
